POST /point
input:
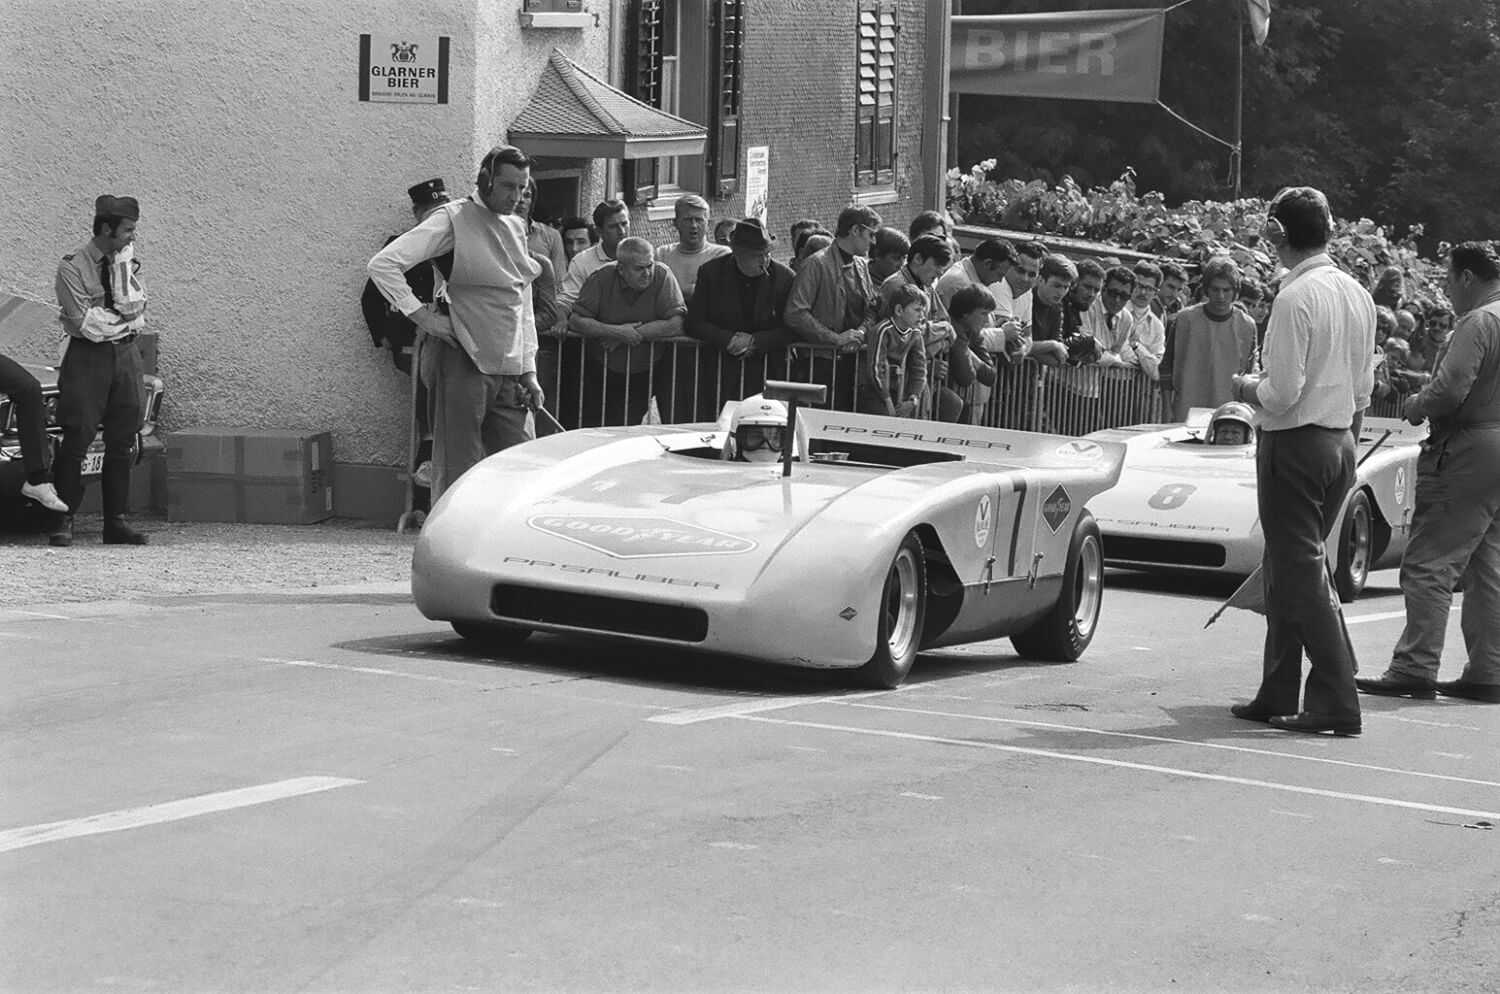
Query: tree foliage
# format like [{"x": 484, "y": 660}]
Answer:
[{"x": 1386, "y": 105}]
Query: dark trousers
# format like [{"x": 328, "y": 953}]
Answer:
[
  {"x": 25, "y": 395},
  {"x": 840, "y": 374},
  {"x": 717, "y": 378},
  {"x": 1302, "y": 477},
  {"x": 99, "y": 383},
  {"x": 559, "y": 368},
  {"x": 473, "y": 414}
]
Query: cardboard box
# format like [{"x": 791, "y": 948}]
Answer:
[{"x": 246, "y": 475}]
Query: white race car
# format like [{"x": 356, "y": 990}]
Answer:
[{"x": 1183, "y": 504}]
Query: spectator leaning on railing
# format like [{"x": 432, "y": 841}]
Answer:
[
  {"x": 1055, "y": 279},
  {"x": 833, "y": 301},
  {"x": 1139, "y": 339},
  {"x": 1169, "y": 295},
  {"x": 622, "y": 309},
  {"x": 738, "y": 312},
  {"x": 971, "y": 371},
  {"x": 692, "y": 248},
  {"x": 888, "y": 254},
  {"x": 990, "y": 261}
]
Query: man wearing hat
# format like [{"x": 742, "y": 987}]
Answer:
[
  {"x": 389, "y": 328},
  {"x": 738, "y": 312},
  {"x": 479, "y": 355},
  {"x": 100, "y": 379}
]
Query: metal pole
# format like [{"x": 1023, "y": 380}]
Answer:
[
  {"x": 936, "y": 103},
  {"x": 1237, "y": 156}
]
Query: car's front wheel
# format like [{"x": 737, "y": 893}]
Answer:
[
  {"x": 492, "y": 636},
  {"x": 1065, "y": 631},
  {"x": 903, "y": 608},
  {"x": 1356, "y": 545}
]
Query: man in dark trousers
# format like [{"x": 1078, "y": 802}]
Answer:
[
  {"x": 100, "y": 379},
  {"x": 1455, "y": 533},
  {"x": 738, "y": 312},
  {"x": 1319, "y": 361},
  {"x": 389, "y": 328},
  {"x": 479, "y": 358},
  {"x": 25, "y": 395}
]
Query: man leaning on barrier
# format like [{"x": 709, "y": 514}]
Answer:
[
  {"x": 738, "y": 312},
  {"x": 833, "y": 303},
  {"x": 622, "y": 309}
]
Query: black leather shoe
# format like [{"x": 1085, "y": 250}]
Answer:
[
  {"x": 1388, "y": 685},
  {"x": 1489, "y": 693},
  {"x": 1251, "y": 712},
  {"x": 1312, "y": 721},
  {"x": 119, "y": 533},
  {"x": 62, "y": 535}
]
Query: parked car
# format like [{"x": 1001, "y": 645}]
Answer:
[{"x": 13, "y": 473}]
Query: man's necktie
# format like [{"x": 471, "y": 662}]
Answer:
[{"x": 104, "y": 278}]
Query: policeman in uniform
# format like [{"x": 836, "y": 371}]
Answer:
[
  {"x": 389, "y": 328},
  {"x": 100, "y": 379}
]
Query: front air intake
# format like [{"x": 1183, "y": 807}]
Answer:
[
  {"x": 595, "y": 613},
  {"x": 1163, "y": 552}
]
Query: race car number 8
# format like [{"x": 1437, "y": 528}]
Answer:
[{"x": 1172, "y": 496}]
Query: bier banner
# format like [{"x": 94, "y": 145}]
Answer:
[{"x": 1073, "y": 55}]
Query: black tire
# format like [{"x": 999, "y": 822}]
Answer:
[
  {"x": 1356, "y": 547},
  {"x": 492, "y": 636},
  {"x": 903, "y": 610},
  {"x": 1066, "y": 631}
]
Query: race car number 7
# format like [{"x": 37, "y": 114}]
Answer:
[{"x": 1172, "y": 496}]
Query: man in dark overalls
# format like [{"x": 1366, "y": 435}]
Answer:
[{"x": 100, "y": 379}]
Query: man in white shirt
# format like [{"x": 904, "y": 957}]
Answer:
[
  {"x": 612, "y": 221},
  {"x": 1139, "y": 339},
  {"x": 692, "y": 248},
  {"x": 1319, "y": 360}
]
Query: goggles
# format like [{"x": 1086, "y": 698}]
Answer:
[{"x": 752, "y": 437}]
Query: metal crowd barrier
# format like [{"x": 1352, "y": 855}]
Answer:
[{"x": 687, "y": 381}]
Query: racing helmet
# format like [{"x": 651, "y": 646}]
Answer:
[
  {"x": 757, "y": 430},
  {"x": 1232, "y": 424}
]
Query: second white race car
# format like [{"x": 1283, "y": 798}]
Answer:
[{"x": 1183, "y": 504}]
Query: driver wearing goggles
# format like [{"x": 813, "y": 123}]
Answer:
[{"x": 757, "y": 431}]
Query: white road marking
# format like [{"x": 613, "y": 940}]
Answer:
[
  {"x": 372, "y": 671},
  {"x": 1121, "y": 764},
  {"x": 1257, "y": 918},
  {"x": 155, "y": 814},
  {"x": 1291, "y": 814},
  {"x": 741, "y": 846},
  {"x": 921, "y": 797},
  {"x": 1386, "y": 716},
  {"x": 1360, "y": 619},
  {"x": 508, "y": 752},
  {"x": 1190, "y": 742},
  {"x": 757, "y": 706},
  {"x": 1450, "y": 755},
  {"x": 671, "y": 766},
  {"x": 805, "y": 749}
]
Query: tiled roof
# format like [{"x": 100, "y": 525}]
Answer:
[{"x": 572, "y": 103}]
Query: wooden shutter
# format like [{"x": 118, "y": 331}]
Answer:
[
  {"x": 644, "y": 38},
  {"x": 727, "y": 31},
  {"x": 875, "y": 93}
]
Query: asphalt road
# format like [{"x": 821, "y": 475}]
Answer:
[{"x": 322, "y": 791}]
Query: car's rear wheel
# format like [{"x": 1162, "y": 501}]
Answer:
[
  {"x": 1066, "y": 631},
  {"x": 492, "y": 636},
  {"x": 1356, "y": 545},
  {"x": 903, "y": 608}
]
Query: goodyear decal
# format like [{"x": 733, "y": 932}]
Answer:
[
  {"x": 626, "y": 537},
  {"x": 1056, "y": 508}
]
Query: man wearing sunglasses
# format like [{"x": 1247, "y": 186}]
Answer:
[{"x": 1319, "y": 360}]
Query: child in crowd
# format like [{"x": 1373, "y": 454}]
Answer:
[
  {"x": 968, "y": 363},
  {"x": 1404, "y": 377},
  {"x": 893, "y": 365}
]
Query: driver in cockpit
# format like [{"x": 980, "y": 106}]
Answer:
[
  {"x": 757, "y": 430},
  {"x": 1232, "y": 424}
]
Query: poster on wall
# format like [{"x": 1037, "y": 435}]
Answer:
[
  {"x": 757, "y": 181},
  {"x": 403, "y": 69}
]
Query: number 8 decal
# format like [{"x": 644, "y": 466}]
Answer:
[{"x": 1172, "y": 496}]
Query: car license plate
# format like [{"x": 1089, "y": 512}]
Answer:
[{"x": 93, "y": 463}]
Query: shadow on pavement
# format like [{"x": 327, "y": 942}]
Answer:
[{"x": 583, "y": 658}]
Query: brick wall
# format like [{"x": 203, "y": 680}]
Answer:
[{"x": 798, "y": 99}]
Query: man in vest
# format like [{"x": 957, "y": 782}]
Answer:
[{"x": 479, "y": 358}]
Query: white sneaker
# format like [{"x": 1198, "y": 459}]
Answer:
[
  {"x": 423, "y": 476},
  {"x": 44, "y": 494}
]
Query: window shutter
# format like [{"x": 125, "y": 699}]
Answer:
[
  {"x": 727, "y": 25},
  {"x": 643, "y": 80},
  {"x": 875, "y": 93}
]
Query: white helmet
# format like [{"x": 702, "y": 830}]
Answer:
[
  {"x": 1232, "y": 415},
  {"x": 757, "y": 430}
]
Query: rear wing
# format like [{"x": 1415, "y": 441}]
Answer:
[{"x": 820, "y": 431}]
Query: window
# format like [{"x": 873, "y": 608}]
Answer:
[
  {"x": 875, "y": 94},
  {"x": 685, "y": 58}
]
